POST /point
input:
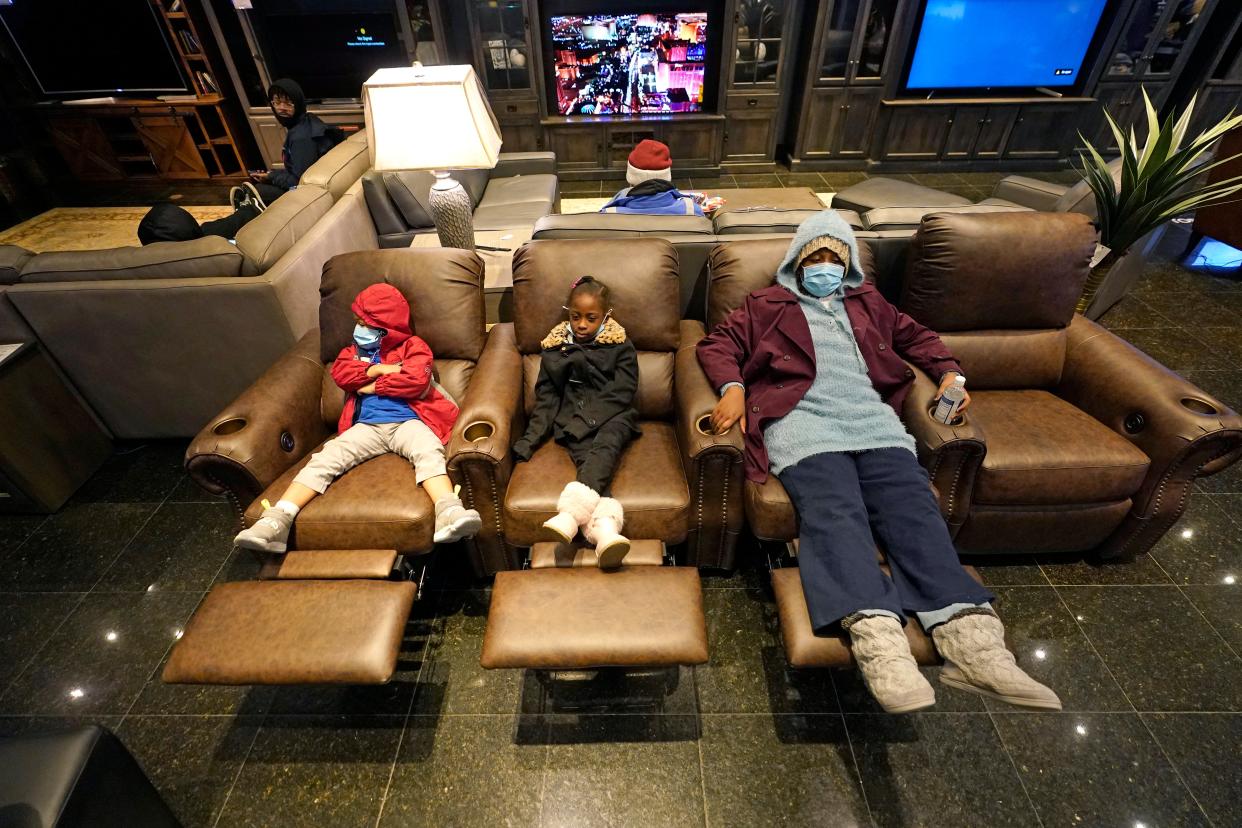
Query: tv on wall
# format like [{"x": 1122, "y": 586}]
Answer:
[
  {"x": 625, "y": 64},
  {"x": 1002, "y": 44},
  {"x": 73, "y": 47},
  {"x": 330, "y": 54}
]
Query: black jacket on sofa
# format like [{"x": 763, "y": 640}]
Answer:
[{"x": 581, "y": 387}]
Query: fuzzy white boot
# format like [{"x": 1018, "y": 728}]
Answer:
[
  {"x": 605, "y": 532},
  {"x": 977, "y": 660},
  {"x": 573, "y": 511},
  {"x": 888, "y": 669}
]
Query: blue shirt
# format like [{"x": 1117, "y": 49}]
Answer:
[{"x": 376, "y": 409}]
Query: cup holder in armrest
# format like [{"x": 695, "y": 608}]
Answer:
[
  {"x": 478, "y": 432},
  {"x": 958, "y": 420},
  {"x": 230, "y": 426},
  {"x": 704, "y": 426},
  {"x": 1199, "y": 406}
]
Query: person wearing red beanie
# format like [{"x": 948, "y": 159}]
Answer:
[
  {"x": 649, "y": 173},
  {"x": 649, "y": 160}
]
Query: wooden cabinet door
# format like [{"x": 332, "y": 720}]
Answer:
[
  {"x": 825, "y": 115},
  {"x": 521, "y": 136},
  {"x": 749, "y": 135},
  {"x": 964, "y": 128},
  {"x": 85, "y": 148},
  {"x": 994, "y": 130},
  {"x": 172, "y": 148},
  {"x": 693, "y": 143},
  {"x": 858, "y": 125},
  {"x": 1116, "y": 100},
  {"x": 916, "y": 133},
  {"x": 577, "y": 148},
  {"x": 1042, "y": 131}
]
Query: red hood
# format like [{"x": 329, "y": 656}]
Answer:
[{"x": 383, "y": 306}]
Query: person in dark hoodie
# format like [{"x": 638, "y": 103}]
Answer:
[
  {"x": 649, "y": 172},
  {"x": 307, "y": 139}
]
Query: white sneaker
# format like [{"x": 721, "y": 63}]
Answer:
[
  {"x": 270, "y": 532},
  {"x": 454, "y": 521}
]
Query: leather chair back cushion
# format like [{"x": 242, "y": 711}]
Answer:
[
  {"x": 739, "y": 268},
  {"x": 339, "y": 168},
  {"x": 641, "y": 275},
  {"x": 1010, "y": 359},
  {"x": 613, "y": 225},
  {"x": 443, "y": 286},
  {"x": 770, "y": 220},
  {"x": 12, "y": 260},
  {"x": 208, "y": 256},
  {"x": 269, "y": 236},
  {"x": 410, "y": 191},
  {"x": 654, "y": 400},
  {"x": 997, "y": 270}
]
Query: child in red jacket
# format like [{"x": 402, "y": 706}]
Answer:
[{"x": 392, "y": 404}]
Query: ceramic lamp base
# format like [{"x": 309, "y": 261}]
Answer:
[{"x": 452, "y": 212}]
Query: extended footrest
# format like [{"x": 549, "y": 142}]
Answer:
[
  {"x": 317, "y": 617},
  {"x": 566, "y": 617},
  {"x": 803, "y": 648}
]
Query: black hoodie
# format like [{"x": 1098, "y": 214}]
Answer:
[
  {"x": 307, "y": 138},
  {"x": 168, "y": 222}
]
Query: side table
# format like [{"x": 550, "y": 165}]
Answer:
[
  {"x": 50, "y": 442},
  {"x": 498, "y": 264}
]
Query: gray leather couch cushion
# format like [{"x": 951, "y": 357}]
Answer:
[
  {"x": 609, "y": 225},
  {"x": 890, "y": 192},
  {"x": 384, "y": 214},
  {"x": 269, "y": 236},
  {"x": 340, "y": 167},
  {"x": 409, "y": 190},
  {"x": 521, "y": 189},
  {"x": 770, "y": 220},
  {"x": 208, "y": 256},
  {"x": 893, "y": 218},
  {"x": 1028, "y": 192},
  {"x": 12, "y": 260}
]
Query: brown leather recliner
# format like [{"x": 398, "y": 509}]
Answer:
[
  {"x": 255, "y": 446},
  {"x": 1090, "y": 444},
  {"x": 675, "y": 481}
]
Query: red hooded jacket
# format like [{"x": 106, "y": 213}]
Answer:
[{"x": 383, "y": 306}]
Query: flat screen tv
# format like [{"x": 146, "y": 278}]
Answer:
[
  {"x": 73, "y": 47},
  {"x": 624, "y": 64},
  {"x": 1002, "y": 44},
  {"x": 331, "y": 55}
]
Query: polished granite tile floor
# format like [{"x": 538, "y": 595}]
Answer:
[{"x": 1145, "y": 656}]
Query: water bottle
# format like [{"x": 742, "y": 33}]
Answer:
[{"x": 951, "y": 400}]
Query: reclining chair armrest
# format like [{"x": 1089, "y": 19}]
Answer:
[
  {"x": 1029, "y": 192},
  {"x": 269, "y": 427},
  {"x": 1184, "y": 431},
  {"x": 524, "y": 163},
  {"x": 713, "y": 462},
  {"x": 479, "y": 450},
  {"x": 952, "y": 454}
]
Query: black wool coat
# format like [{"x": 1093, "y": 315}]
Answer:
[{"x": 582, "y": 387}]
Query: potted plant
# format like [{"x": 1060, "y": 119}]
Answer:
[{"x": 1158, "y": 182}]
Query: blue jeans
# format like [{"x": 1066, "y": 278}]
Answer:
[{"x": 843, "y": 498}]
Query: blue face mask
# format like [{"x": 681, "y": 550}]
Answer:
[
  {"x": 367, "y": 338},
  {"x": 822, "y": 279}
]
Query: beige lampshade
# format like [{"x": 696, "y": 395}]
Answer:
[{"x": 429, "y": 118}]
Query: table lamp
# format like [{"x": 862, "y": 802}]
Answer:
[{"x": 433, "y": 118}]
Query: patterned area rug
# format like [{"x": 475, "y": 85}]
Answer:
[{"x": 88, "y": 228}]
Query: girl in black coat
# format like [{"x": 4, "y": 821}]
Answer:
[{"x": 584, "y": 400}]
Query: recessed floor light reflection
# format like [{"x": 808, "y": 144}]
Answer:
[
  {"x": 1041, "y": 654},
  {"x": 151, "y": 588},
  {"x": 1080, "y": 730},
  {"x": 1188, "y": 533},
  {"x": 1230, "y": 579},
  {"x": 111, "y": 635},
  {"x": 177, "y": 633},
  {"x": 77, "y": 693}
]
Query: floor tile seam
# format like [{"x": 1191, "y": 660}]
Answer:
[
  {"x": 160, "y": 661},
  {"x": 130, "y": 542},
  {"x": 241, "y": 766},
  {"x": 1176, "y": 770},
  {"x": 1013, "y": 763},
  {"x": 698, "y": 743},
  {"x": 1094, "y": 649},
  {"x": 1195, "y": 606},
  {"x": 849, "y": 740},
  {"x": 31, "y": 534},
  {"x": 405, "y": 724},
  {"x": 38, "y": 651}
]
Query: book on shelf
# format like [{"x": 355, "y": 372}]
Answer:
[
  {"x": 189, "y": 42},
  {"x": 207, "y": 81},
  {"x": 175, "y": 7}
]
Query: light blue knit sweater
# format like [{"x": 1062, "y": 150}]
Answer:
[{"x": 841, "y": 411}]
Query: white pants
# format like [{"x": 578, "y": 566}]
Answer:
[{"x": 357, "y": 444}]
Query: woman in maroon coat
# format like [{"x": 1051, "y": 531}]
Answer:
[{"x": 814, "y": 369}]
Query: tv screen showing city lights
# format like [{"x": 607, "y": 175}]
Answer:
[{"x": 622, "y": 64}]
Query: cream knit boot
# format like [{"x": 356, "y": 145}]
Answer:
[
  {"x": 973, "y": 646},
  {"x": 888, "y": 669},
  {"x": 573, "y": 511},
  {"x": 605, "y": 532}
]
